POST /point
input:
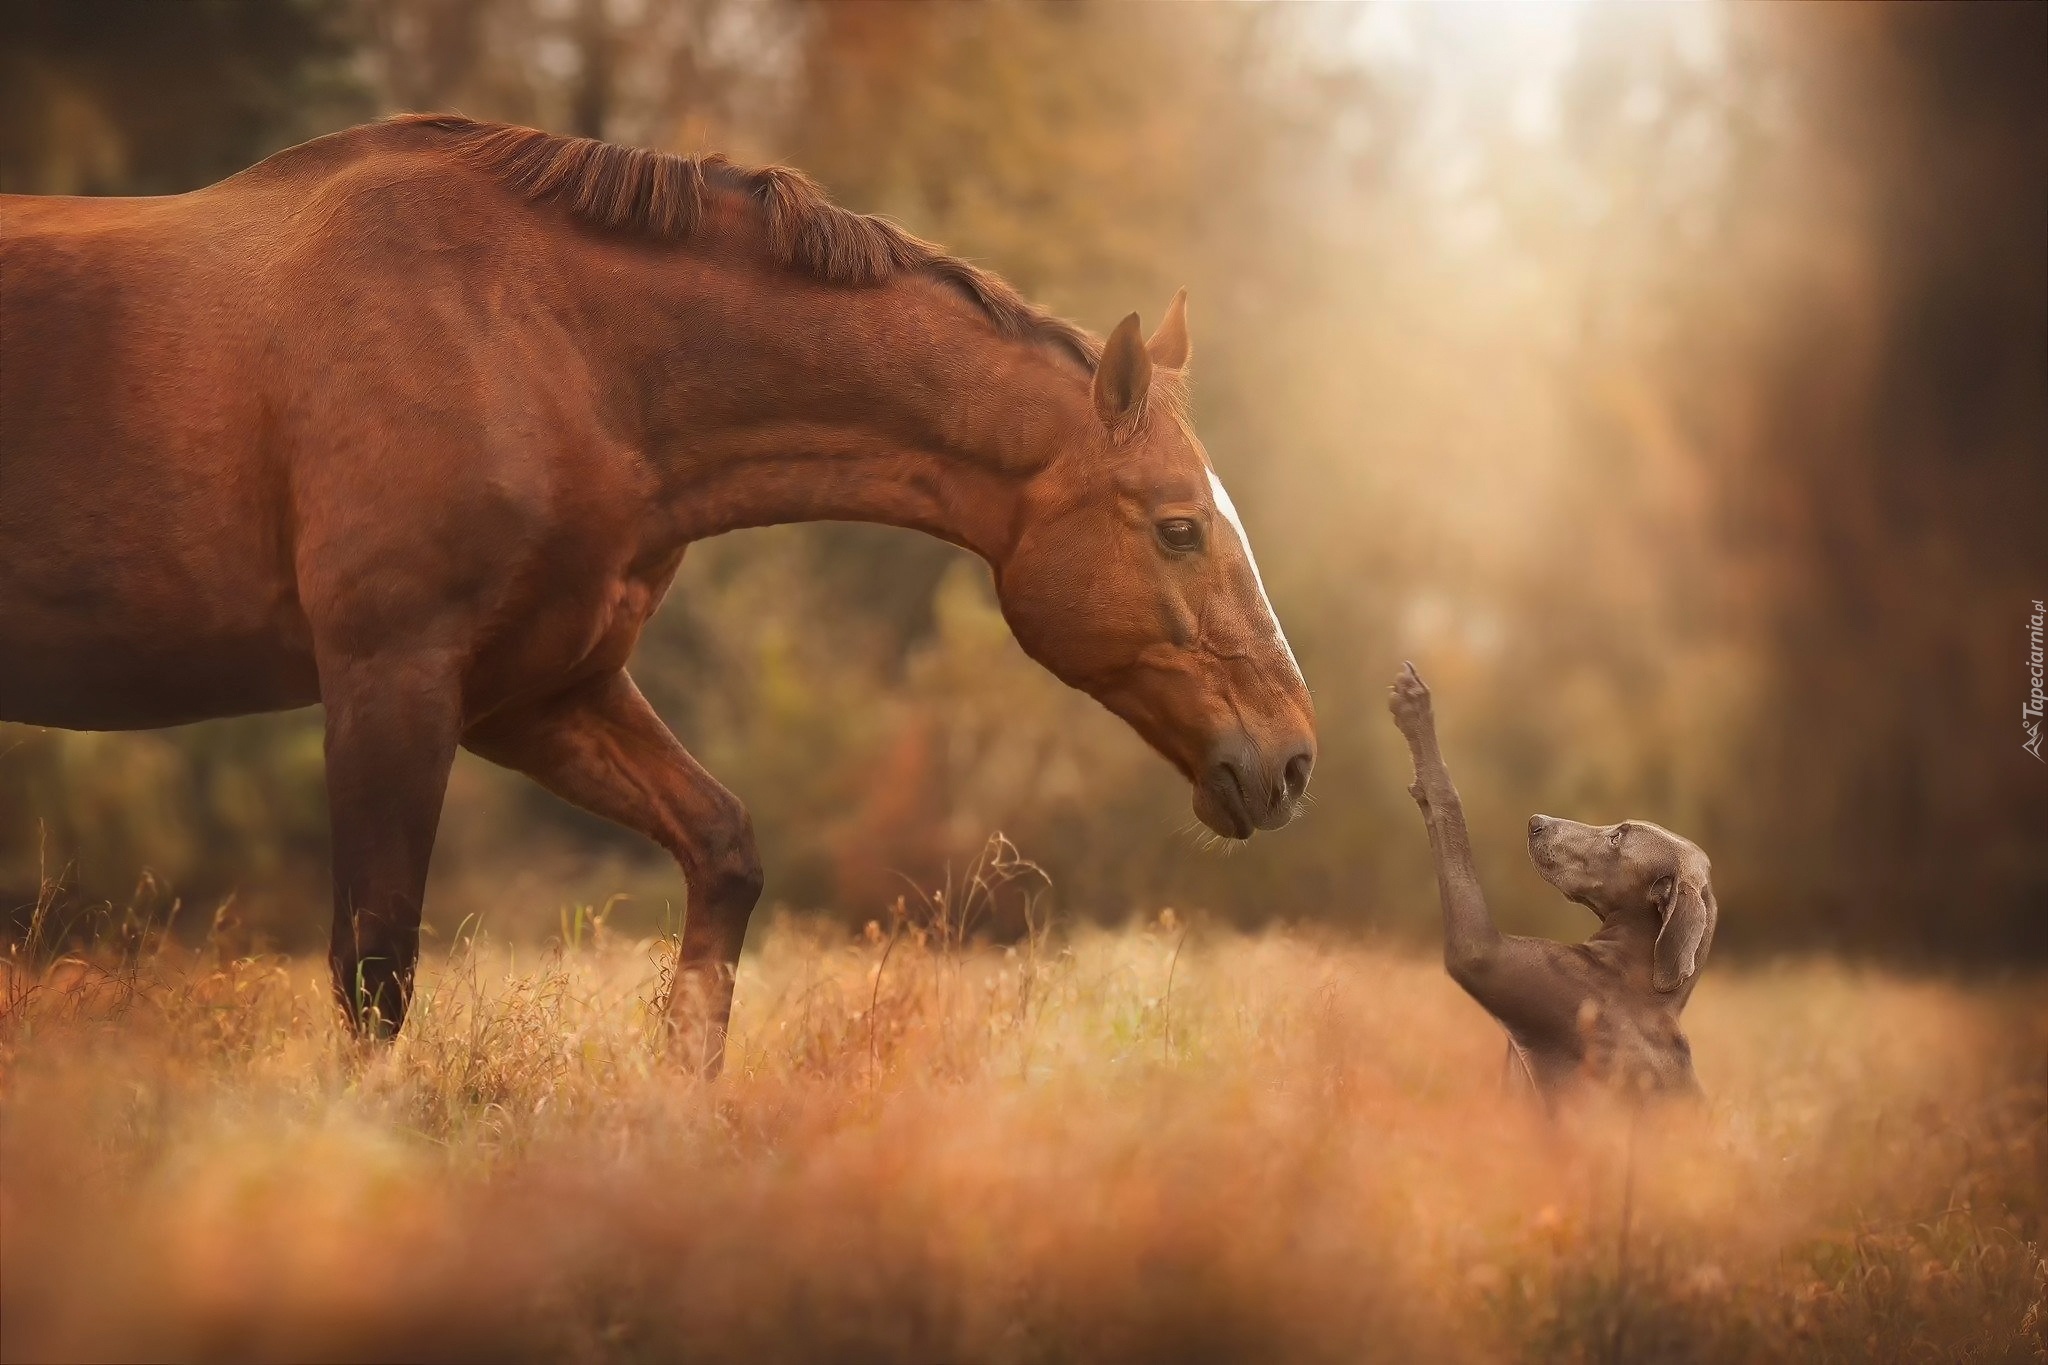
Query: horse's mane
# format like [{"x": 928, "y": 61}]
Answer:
[{"x": 662, "y": 195}]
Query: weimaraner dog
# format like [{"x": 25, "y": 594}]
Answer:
[{"x": 1606, "y": 1009}]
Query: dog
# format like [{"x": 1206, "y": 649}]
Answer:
[{"x": 1606, "y": 1009}]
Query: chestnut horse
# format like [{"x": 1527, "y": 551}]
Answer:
[{"x": 416, "y": 421}]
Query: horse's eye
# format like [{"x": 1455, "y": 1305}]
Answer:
[
  {"x": 1614, "y": 839},
  {"x": 1182, "y": 535}
]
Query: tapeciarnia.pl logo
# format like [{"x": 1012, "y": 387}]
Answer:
[{"x": 2030, "y": 712}]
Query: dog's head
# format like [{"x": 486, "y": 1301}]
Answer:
[{"x": 1634, "y": 868}]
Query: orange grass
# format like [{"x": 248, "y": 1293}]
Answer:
[{"x": 1296, "y": 1150}]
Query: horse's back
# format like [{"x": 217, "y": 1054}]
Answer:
[
  {"x": 147, "y": 577},
  {"x": 327, "y": 398}
]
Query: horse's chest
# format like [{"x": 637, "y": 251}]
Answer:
[
  {"x": 626, "y": 605},
  {"x": 577, "y": 627}
]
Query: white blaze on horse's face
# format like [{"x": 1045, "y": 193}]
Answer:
[{"x": 1221, "y": 495}]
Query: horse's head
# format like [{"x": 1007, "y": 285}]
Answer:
[{"x": 1131, "y": 578}]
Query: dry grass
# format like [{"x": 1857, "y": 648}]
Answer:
[{"x": 1144, "y": 1145}]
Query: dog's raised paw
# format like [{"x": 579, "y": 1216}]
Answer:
[{"x": 1408, "y": 699}]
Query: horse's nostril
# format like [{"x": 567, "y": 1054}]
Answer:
[
  {"x": 1536, "y": 824},
  {"x": 1294, "y": 777},
  {"x": 1226, "y": 780}
]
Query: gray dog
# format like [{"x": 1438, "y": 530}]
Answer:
[{"x": 1606, "y": 1009}]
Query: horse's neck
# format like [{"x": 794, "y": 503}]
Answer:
[{"x": 776, "y": 399}]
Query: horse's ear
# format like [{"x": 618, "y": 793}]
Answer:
[
  {"x": 1689, "y": 913},
  {"x": 1169, "y": 346},
  {"x": 1124, "y": 375}
]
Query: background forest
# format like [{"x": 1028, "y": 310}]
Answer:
[{"x": 1669, "y": 382}]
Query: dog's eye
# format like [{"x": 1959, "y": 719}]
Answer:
[{"x": 1182, "y": 535}]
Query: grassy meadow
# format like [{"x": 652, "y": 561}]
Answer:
[{"x": 1162, "y": 1143}]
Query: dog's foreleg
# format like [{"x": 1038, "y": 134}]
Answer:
[{"x": 1470, "y": 935}]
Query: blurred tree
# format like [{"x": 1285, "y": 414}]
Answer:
[
  {"x": 1901, "y": 451},
  {"x": 137, "y": 97}
]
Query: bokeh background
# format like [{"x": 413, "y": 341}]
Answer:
[{"x": 1669, "y": 382}]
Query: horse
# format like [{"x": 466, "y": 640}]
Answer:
[{"x": 416, "y": 421}]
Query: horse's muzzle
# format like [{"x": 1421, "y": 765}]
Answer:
[{"x": 1241, "y": 790}]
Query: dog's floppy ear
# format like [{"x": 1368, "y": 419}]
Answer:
[{"x": 1689, "y": 912}]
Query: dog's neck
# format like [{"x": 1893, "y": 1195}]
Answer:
[{"x": 1626, "y": 944}]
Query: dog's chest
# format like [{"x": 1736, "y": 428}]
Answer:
[{"x": 1645, "y": 1053}]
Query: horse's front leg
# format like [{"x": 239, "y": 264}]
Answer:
[
  {"x": 601, "y": 747},
  {"x": 392, "y": 726}
]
